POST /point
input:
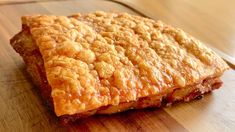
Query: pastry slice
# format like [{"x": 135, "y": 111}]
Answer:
[{"x": 103, "y": 63}]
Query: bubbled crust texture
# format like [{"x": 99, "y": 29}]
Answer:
[{"x": 99, "y": 59}]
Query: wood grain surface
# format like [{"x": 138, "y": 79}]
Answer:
[
  {"x": 24, "y": 1},
  {"x": 23, "y": 110}
]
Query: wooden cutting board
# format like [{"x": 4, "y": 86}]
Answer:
[{"x": 21, "y": 107}]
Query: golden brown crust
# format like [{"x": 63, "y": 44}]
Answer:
[
  {"x": 180, "y": 94},
  {"x": 24, "y": 44},
  {"x": 100, "y": 59}
]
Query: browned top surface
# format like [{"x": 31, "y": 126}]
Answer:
[
  {"x": 211, "y": 20},
  {"x": 100, "y": 58},
  {"x": 22, "y": 108}
]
